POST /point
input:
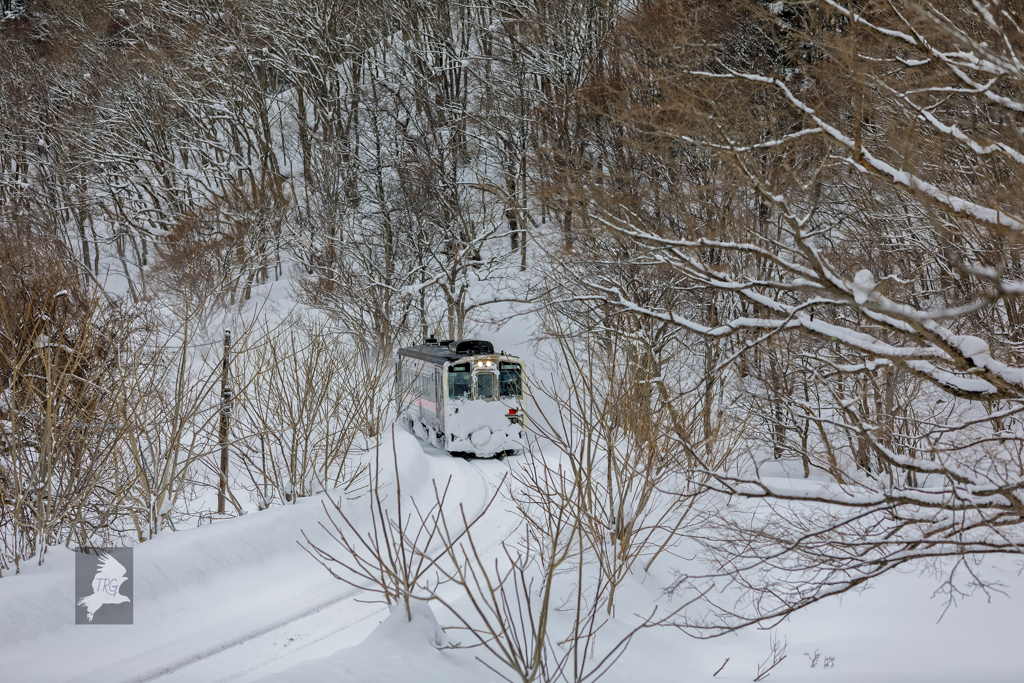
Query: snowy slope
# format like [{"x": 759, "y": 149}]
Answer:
[
  {"x": 203, "y": 592},
  {"x": 240, "y": 600}
]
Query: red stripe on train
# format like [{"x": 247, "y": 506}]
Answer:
[{"x": 422, "y": 402}]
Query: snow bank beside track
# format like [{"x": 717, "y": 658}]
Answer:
[{"x": 201, "y": 591}]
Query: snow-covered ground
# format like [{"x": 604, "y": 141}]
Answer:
[{"x": 239, "y": 599}]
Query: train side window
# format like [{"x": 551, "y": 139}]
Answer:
[
  {"x": 485, "y": 385},
  {"x": 460, "y": 381},
  {"x": 510, "y": 380}
]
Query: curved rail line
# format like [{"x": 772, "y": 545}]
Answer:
[{"x": 281, "y": 638}]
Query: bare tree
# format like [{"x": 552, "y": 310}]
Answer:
[
  {"x": 622, "y": 448},
  {"x": 835, "y": 188},
  {"x": 397, "y": 555},
  {"x": 309, "y": 400}
]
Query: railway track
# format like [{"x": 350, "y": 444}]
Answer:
[{"x": 342, "y": 621}]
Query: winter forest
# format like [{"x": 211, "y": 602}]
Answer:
[{"x": 763, "y": 261}]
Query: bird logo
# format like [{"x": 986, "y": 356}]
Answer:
[{"x": 106, "y": 586}]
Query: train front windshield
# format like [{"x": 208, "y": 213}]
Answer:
[
  {"x": 510, "y": 380},
  {"x": 485, "y": 385},
  {"x": 460, "y": 381},
  {"x": 507, "y": 384}
]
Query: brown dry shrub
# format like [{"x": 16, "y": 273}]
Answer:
[
  {"x": 220, "y": 249},
  {"x": 60, "y": 347},
  {"x": 40, "y": 293}
]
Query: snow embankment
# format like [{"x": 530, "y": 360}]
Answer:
[{"x": 201, "y": 591}]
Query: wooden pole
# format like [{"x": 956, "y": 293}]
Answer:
[{"x": 225, "y": 420}]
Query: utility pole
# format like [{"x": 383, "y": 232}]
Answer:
[{"x": 225, "y": 420}]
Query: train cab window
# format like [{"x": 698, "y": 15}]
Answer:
[
  {"x": 460, "y": 381},
  {"x": 485, "y": 385},
  {"x": 510, "y": 380}
]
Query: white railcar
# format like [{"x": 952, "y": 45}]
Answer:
[{"x": 462, "y": 396}]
